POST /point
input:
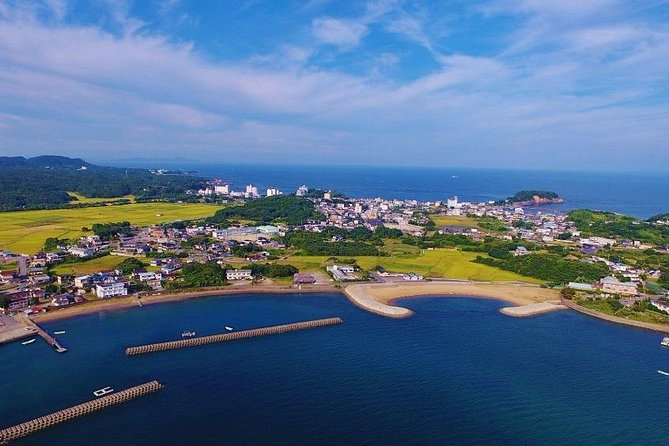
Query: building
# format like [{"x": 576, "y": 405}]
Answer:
[
  {"x": 610, "y": 284},
  {"x": 580, "y": 286},
  {"x": 251, "y": 191},
  {"x": 300, "y": 278},
  {"x": 81, "y": 251},
  {"x": 272, "y": 192},
  {"x": 80, "y": 281},
  {"x": 521, "y": 251},
  {"x": 452, "y": 203},
  {"x": 268, "y": 229},
  {"x": 111, "y": 289},
  {"x": 221, "y": 189},
  {"x": 342, "y": 273},
  {"x": 239, "y": 274},
  {"x": 302, "y": 191},
  {"x": 660, "y": 304}
]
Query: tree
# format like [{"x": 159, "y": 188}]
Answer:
[{"x": 129, "y": 265}]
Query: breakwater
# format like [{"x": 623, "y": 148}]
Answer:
[
  {"x": 243, "y": 334},
  {"x": 46, "y": 421}
]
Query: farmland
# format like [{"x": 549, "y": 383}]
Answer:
[{"x": 26, "y": 231}]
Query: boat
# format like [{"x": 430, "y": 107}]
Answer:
[
  {"x": 59, "y": 332},
  {"x": 665, "y": 342},
  {"x": 227, "y": 327},
  {"x": 28, "y": 342},
  {"x": 662, "y": 372},
  {"x": 187, "y": 334},
  {"x": 102, "y": 392}
]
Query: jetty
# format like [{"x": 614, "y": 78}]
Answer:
[
  {"x": 46, "y": 421},
  {"x": 233, "y": 336},
  {"x": 530, "y": 310},
  {"x": 43, "y": 334}
]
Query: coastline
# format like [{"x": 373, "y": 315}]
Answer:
[
  {"x": 379, "y": 298},
  {"x": 121, "y": 303},
  {"x": 615, "y": 319}
]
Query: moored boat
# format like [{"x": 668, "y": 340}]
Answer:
[
  {"x": 227, "y": 327},
  {"x": 187, "y": 334},
  {"x": 662, "y": 372},
  {"x": 104, "y": 391},
  {"x": 59, "y": 332},
  {"x": 665, "y": 341},
  {"x": 28, "y": 342}
]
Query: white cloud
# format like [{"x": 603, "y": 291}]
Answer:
[{"x": 342, "y": 33}]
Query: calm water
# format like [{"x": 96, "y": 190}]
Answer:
[
  {"x": 456, "y": 372},
  {"x": 639, "y": 194}
]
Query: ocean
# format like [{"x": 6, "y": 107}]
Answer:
[
  {"x": 639, "y": 194},
  {"x": 457, "y": 372}
]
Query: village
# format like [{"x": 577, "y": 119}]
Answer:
[{"x": 31, "y": 285}]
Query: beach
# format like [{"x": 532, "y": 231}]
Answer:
[{"x": 379, "y": 297}]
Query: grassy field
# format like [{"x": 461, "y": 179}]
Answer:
[
  {"x": 81, "y": 199},
  {"x": 454, "y": 220},
  {"x": 447, "y": 263},
  {"x": 89, "y": 266},
  {"x": 26, "y": 231}
]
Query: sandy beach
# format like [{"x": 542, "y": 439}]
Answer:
[{"x": 378, "y": 298}]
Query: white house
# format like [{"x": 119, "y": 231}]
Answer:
[
  {"x": 238, "y": 274},
  {"x": 111, "y": 289}
]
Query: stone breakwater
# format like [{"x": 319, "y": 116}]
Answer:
[
  {"x": 204, "y": 340},
  {"x": 29, "y": 427},
  {"x": 532, "y": 309}
]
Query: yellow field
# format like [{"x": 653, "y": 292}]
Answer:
[
  {"x": 447, "y": 263},
  {"x": 26, "y": 231},
  {"x": 454, "y": 220}
]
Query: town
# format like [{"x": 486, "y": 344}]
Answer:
[{"x": 154, "y": 259}]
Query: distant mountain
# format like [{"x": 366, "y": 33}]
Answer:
[{"x": 44, "y": 182}]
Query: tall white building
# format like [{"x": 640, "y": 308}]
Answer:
[
  {"x": 271, "y": 192},
  {"x": 111, "y": 289},
  {"x": 222, "y": 189},
  {"x": 251, "y": 190},
  {"x": 302, "y": 191},
  {"x": 452, "y": 203}
]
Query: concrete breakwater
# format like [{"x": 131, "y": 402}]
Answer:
[
  {"x": 243, "y": 334},
  {"x": 29, "y": 427}
]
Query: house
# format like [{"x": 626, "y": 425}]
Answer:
[
  {"x": 62, "y": 300},
  {"x": 239, "y": 274},
  {"x": 300, "y": 278},
  {"x": 111, "y": 289},
  {"x": 267, "y": 229},
  {"x": 412, "y": 277},
  {"x": 521, "y": 251},
  {"x": 610, "y": 284},
  {"x": 145, "y": 276},
  {"x": 81, "y": 251},
  {"x": 81, "y": 281},
  {"x": 19, "y": 301},
  {"x": 660, "y": 304},
  {"x": 342, "y": 273}
]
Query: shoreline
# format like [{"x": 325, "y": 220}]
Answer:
[
  {"x": 379, "y": 298},
  {"x": 615, "y": 319},
  {"x": 121, "y": 303}
]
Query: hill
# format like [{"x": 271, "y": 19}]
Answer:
[{"x": 43, "y": 182}]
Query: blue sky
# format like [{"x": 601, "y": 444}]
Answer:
[{"x": 493, "y": 83}]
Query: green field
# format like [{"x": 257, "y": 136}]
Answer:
[
  {"x": 26, "y": 231},
  {"x": 452, "y": 264},
  {"x": 80, "y": 199},
  {"x": 454, "y": 220}
]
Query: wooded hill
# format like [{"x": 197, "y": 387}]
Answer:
[{"x": 43, "y": 182}]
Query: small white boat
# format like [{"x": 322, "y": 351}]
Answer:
[
  {"x": 665, "y": 342},
  {"x": 59, "y": 332},
  {"x": 187, "y": 334},
  {"x": 28, "y": 342},
  {"x": 662, "y": 372},
  {"x": 227, "y": 327},
  {"x": 102, "y": 392}
]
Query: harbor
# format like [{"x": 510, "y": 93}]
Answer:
[
  {"x": 61, "y": 416},
  {"x": 36, "y": 329},
  {"x": 242, "y": 334}
]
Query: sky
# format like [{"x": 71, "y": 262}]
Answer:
[{"x": 557, "y": 84}]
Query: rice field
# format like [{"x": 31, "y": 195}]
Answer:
[{"x": 24, "y": 232}]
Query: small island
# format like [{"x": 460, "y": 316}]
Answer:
[{"x": 533, "y": 198}]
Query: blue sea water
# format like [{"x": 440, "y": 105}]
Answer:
[
  {"x": 632, "y": 193},
  {"x": 457, "y": 372}
]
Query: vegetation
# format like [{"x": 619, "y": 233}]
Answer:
[
  {"x": 44, "y": 182},
  {"x": 288, "y": 209},
  {"x": 273, "y": 270},
  {"x": 108, "y": 230},
  {"x": 640, "y": 311},
  {"x": 129, "y": 265},
  {"x": 549, "y": 267},
  {"x": 195, "y": 275},
  {"x": 609, "y": 224},
  {"x": 27, "y": 231},
  {"x": 311, "y": 243},
  {"x": 529, "y": 195}
]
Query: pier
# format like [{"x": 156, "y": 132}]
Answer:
[
  {"x": 243, "y": 334},
  {"x": 46, "y": 421},
  {"x": 46, "y": 336}
]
